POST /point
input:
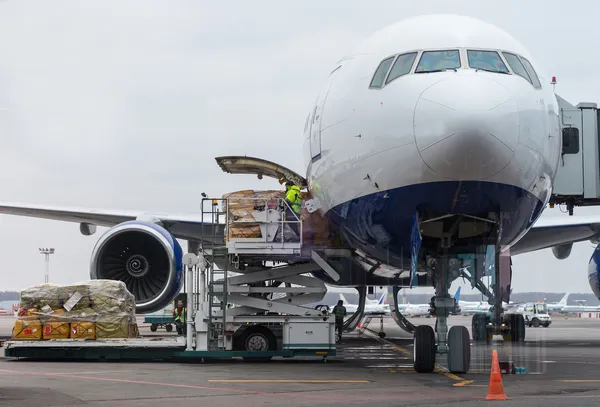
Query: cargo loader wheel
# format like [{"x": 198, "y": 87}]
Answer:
[
  {"x": 257, "y": 338},
  {"x": 459, "y": 350},
  {"x": 424, "y": 349}
]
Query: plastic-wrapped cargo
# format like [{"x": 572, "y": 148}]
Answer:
[
  {"x": 54, "y": 296},
  {"x": 87, "y": 310},
  {"x": 241, "y": 223}
]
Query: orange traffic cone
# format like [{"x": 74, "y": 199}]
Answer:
[{"x": 496, "y": 388}]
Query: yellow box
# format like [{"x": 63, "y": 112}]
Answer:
[
  {"x": 56, "y": 330},
  {"x": 27, "y": 330},
  {"x": 83, "y": 330}
]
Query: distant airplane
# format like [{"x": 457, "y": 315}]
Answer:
[
  {"x": 419, "y": 310},
  {"x": 372, "y": 307},
  {"x": 558, "y": 306}
]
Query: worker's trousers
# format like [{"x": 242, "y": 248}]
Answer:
[
  {"x": 181, "y": 327},
  {"x": 294, "y": 224},
  {"x": 339, "y": 326}
]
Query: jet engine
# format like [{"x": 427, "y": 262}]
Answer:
[
  {"x": 563, "y": 251},
  {"x": 146, "y": 257},
  {"x": 594, "y": 272}
]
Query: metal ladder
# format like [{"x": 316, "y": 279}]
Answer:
[
  {"x": 216, "y": 284},
  {"x": 217, "y": 300}
]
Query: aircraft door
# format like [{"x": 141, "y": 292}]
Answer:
[
  {"x": 315, "y": 126},
  {"x": 570, "y": 173}
]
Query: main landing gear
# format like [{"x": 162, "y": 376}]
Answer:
[
  {"x": 455, "y": 343},
  {"x": 510, "y": 326}
]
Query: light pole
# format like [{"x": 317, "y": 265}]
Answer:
[{"x": 47, "y": 252}]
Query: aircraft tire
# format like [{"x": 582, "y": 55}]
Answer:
[
  {"x": 459, "y": 350},
  {"x": 478, "y": 327},
  {"x": 424, "y": 349},
  {"x": 516, "y": 322}
]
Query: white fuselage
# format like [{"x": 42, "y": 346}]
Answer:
[
  {"x": 458, "y": 141},
  {"x": 417, "y": 310},
  {"x": 379, "y": 309},
  {"x": 372, "y": 307}
]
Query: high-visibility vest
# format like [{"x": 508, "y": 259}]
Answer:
[
  {"x": 292, "y": 195},
  {"x": 180, "y": 317},
  {"x": 339, "y": 311}
]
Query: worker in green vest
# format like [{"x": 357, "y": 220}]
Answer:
[
  {"x": 340, "y": 312},
  {"x": 293, "y": 207},
  {"x": 179, "y": 314}
]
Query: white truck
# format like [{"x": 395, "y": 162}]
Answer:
[{"x": 535, "y": 314}]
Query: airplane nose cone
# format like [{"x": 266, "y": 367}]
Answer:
[{"x": 466, "y": 127}]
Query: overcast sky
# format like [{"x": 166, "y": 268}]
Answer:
[{"x": 125, "y": 104}]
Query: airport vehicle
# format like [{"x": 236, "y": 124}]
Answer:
[
  {"x": 535, "y": 314},
  {"x": 159, "y": 321},
  {"x": 214, "y": 330},
  {"x": 438, "y": 141}
]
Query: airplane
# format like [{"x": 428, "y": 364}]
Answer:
[
  {"x": 580, "y": 307},
  {"x": 436, "y": 137},
  {"x": 558, "y": 306},
  {"x": 372, "y": 307},
  {"x": 421, "y": 310}
]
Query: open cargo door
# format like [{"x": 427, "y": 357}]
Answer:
[{"x": 259, "y": 167}]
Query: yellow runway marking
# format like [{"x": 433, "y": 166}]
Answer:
[
  {"x": 580, "y": 381},
  {"x": 287, "y": 381},
  {"x": 438, "y": 368},
  {"x": 463, "y": 383}
]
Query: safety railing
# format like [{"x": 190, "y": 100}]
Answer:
[{"x": 264, "y": 221}]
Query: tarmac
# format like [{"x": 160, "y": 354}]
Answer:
[{"x": 562, "y": 364}]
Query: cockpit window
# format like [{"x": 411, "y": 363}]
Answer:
[
  {"x": 517, "y": 66},
  {"x": 436, "y": 61},
  {"x": 402, "y": 66},
  {"x": 531, "y": 72},
  {"x": 486, "y": 61},
  {"x": 380, "y": 73}
]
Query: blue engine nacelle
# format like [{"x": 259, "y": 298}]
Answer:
[
  {"x": 146, "y": 257},
  {"x": 563, "y": 251},
  {"x": 594, "y": 272}
]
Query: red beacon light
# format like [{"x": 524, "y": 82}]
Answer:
[{"x": 553, "y": 82}]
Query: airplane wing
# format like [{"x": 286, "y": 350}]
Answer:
[
  {"x": 550, "y": 232},
  {"x": 188, "y": 227},
  {"x": 546, "y": 233}
]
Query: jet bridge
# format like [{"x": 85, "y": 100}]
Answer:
[{"x": 577, "y": 182}]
